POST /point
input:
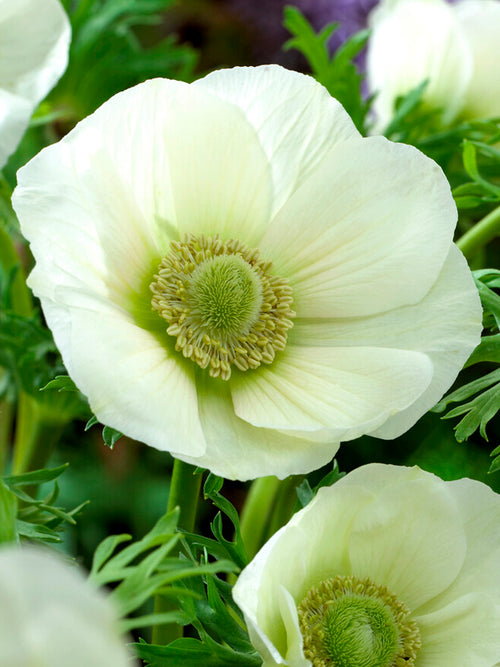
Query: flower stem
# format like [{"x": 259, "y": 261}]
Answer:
[
  {"x": 285, "y": 503},
  {"x": 184, "y": 493},
  {"x": 481, "y": 234},
  {"x": 257, "y": 511},
  {"x": 21, "y": 303},
  {"x": 6, "y": 417}
]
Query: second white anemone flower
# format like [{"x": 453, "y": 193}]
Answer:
[
  {"x": 389, "y": 567},
  {"x": 234, "y": 275},
  {"x": 454, "y": 47},
  {"x": 34, "y": 43}
]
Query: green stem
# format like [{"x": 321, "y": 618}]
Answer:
[
  {"x": 184, "y": 493},
  {"x": 36, "y": 435},
  {"x": 23, "y": 305},
  {"x": 285, "y": 502},
  {"x": 257, "y": 513},
  {"x": 6, "y": 418},
  {"x": 20, "y": 294},
  {"x": 481, "y": 234}
]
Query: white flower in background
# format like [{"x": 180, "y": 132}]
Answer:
[
  {"x": 181, "y": 230},
  {"x": 390, "y": 567},
  {"x": 50, "y": 616},
  {"x": 455, "y": 47},
  {"x": 34, "y": 43}
]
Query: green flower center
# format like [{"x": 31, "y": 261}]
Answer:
[
  {"x": 351, "y": 622},
  {"x": 222, "y": 304}
]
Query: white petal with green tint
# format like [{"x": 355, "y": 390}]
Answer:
[
  {"x": 480, "y": 511},
  {"x": 115, "y": 220},
  {"x": 480, "y": 22},
  {"x": 375, "y": 240},
  {"x": 134, "y": 383},
  {"x": 445, "y": 325},
  {"x": 346, "y": 390},
  {"x": 221, "y": 177},
  {"x": 297, "y": 121},
  {"x": 464, "y": 633},
  {"x": 238, "y": 450},
  {"x": 413, "y": 41},
  {"x": 409, "y": 539}
]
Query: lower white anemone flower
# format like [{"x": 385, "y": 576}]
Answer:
[
  {"x": 454, "y": 47},
  {"x": 234, "y": 275},
  {"x": 50, "y": 616},
  {"x": 390, "y": 567},
  {"x": 34, "y": 44}
]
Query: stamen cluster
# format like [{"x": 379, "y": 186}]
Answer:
[
  {"x": 350, "y": 622},
  {"x": 222, "y": 304}
]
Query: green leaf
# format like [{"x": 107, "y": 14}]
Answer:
[
  {"x": 105, "y": 550},
  {"x": 32, "y": 531},
  {"x": 495, "y": 465},
  {"x": 110, "y": 436},
  {"x": 405, "y": 105},
  {"x": 153, "y": 619},
  {"x": 337, "y": 73},
  {"x": 488, "y": 350},
  {"x": 189, "y": 652},
  {"x": 36, "y": 476},
  {"x": 39, "y": 519},
  {"x": 234, "y": 548},
  {"x": 61, "y": 383}
]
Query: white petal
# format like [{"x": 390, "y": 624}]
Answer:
[
  {"x": 346, "y": 390},
  {"x": 410, "y": 539},
  {"x": 296, "y": 119},
  {"x": 238, "y": 450},
  {"x": 479, "y": 508},
  {"x": 445, "y": 325},
  {"x": 295, "y": 654},
  {"x": 464, "y": 633},
  {"x": 480, "y": 21},
  {"x": 413, "y": 41},
  {"x": 221, "y": 182},
  {"x": 97, "y": 207},
  {"x": 369, "y": 231},
  {"x": 15, "y": 114},
  {"x": 133, "y": 380},
  {"x": 52, "y": 617},
  {"x": 35, "y": 40}
]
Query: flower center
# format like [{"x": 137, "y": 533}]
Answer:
[
  {"x": 351, "y": 622},
  {"x": 222, "y": 304}
]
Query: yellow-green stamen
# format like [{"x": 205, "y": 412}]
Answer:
[
  {"x": 222, "y": 304},
  {"x": 351, "y": 622}
]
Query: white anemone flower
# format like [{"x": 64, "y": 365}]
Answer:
[
  {"x": 389, "y": 567},
  {"x": 234, "y": 275},
  {"x": 454, "y": 47},
  {"x": 50, "y": 616},
  {"x": 34, "y": 44}
]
